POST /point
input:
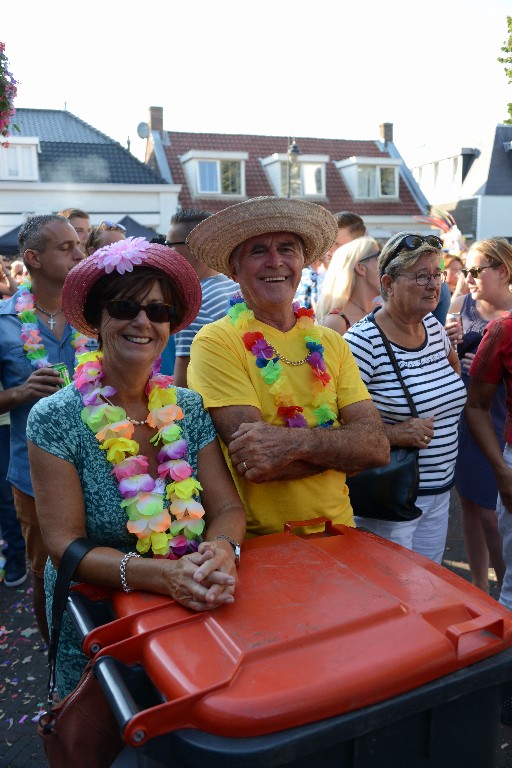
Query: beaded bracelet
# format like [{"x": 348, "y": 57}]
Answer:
[{"x": 122, "y": 570}]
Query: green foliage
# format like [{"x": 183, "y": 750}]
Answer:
[{"x": 507, "y": 61}]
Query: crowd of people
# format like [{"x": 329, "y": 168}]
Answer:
[{"x": 278, "y": 314}]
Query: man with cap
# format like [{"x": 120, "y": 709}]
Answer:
[
  {"x": 285, "y": 395},
  {"x": 34, "y": 335}
]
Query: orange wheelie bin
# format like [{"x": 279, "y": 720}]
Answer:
[{"x": 340, "y": 650}]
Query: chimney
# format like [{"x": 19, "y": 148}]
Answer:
[
  {"x": 156, "y": 118},
  {"x": 386, "y": 133}
]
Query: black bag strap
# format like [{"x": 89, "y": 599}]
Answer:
[
  {"x": 394, "y": 363},
  {"x": 68, "y": 565}
]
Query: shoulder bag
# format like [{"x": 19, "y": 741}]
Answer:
[
  {"x": 80, "y": 730},
  {"x": 390, "y": 492}
]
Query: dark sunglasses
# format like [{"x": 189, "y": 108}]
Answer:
[
  {"x": 109, "y": 225},
  {"x": 411, "y": 243},
  {"x": 171, "y": 245},
  {"x": 126, "y": 309},
  {"x": 112, "y": 225},
  {"x": 367, "y": 258},
  {"x": 475, "y": 271}
]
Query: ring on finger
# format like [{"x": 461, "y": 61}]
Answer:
[
  {"x": 244, "y": 465},
  {"x": 425, "y": 438}
]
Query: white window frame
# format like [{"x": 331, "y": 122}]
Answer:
[
  {"x": 191, "y": 165},
  {"x": 276, "y": 166},
  {"x": 23, "y": 150},
  {"x": 349, "y": 170}
]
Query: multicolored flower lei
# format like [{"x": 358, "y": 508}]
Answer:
[
  {"x": 273, "y": 372},
  {"x": 143, "y": 496},
  {"x": 30, "y": 334}
]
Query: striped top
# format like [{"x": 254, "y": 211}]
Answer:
[
  {"x": 217, "y": 291},
  {"x": 436, "y": 389}
]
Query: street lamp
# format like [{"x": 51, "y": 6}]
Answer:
[{"x": 293, "y": 156}]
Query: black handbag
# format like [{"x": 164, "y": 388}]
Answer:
[{"x": 390, "y": 492}]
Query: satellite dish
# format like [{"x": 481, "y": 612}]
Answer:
[{"x": 143, "y": 130}]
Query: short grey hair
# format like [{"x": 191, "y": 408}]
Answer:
[
  {"x": 404, "y": 258},
  {"x": 33, "y": 236}
]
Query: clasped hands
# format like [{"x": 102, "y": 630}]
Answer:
[{"x": 206, "y": 578}]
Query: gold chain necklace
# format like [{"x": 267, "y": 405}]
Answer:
[{"x": 290, "y": 362}]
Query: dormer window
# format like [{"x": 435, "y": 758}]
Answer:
[
  {"x": 371, "y": 178},
  {"x": 305, "y": 177},
  {"x": 215, "y": 174},
  {"x": 18, "y": 161}
]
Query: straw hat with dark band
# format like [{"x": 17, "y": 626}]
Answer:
[
  {"x": 214, "y": 239},
  {"x": 82, "y": 277}
]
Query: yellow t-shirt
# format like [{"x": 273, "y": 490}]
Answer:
[{"x": 225, "y": 374}]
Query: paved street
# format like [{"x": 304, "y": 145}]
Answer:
[{"x": 24, "y": 674}]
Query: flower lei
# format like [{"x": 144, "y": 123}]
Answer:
[
  {"x": 30, "y": 334},
  {"x": 8, "y": 91},
  {"x": 272, "y": 372},
  {"x": 143, "y": 496}
]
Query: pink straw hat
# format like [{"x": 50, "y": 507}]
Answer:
[
  {"x": 125, "y": 256},
  {"x": 214, "y": 239}
]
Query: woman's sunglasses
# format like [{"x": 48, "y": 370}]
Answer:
[
  {"x": 126, "y": 309},
  {"x": 411, "y": 243},
  {"x": 111, "y": 225},
  {"x": 367, "y": 258},
  {"x": 474, "y": 271}
]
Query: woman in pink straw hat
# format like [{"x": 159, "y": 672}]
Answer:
[{"x": 126, "y": 459}]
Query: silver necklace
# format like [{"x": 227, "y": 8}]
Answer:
[
  {"x": 133, "y": 421},
  {"x": 357, "y": 305},
  {"x": 51, "y": 321}
]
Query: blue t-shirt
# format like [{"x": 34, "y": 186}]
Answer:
[{"x": 15, "y": 368}]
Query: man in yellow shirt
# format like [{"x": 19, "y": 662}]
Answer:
[{"x": 285, "y": 394}]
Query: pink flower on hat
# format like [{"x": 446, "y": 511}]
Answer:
[{"x": 122, "y": 256}]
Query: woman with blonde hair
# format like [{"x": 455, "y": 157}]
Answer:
[
  {"x": 350, "y": 285},
  {"x": 488, "y": 277}
]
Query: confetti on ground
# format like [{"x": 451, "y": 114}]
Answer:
[{"x": 29, "y": 632}]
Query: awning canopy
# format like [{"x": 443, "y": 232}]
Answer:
[{"x": 9, "y": 242}]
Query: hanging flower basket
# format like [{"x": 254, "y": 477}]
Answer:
[{"x": 8, "y": 91}]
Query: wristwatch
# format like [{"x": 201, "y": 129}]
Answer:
[{"x": 236, "y": 546}]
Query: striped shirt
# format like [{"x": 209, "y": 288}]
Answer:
[
  {"x": 217, "y": 291},
  {"x": 436, "y": 390}
]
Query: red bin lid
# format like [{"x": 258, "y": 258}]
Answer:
[{"x": 319, "y": 627}]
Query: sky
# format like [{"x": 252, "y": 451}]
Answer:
[{"x": 322, "y": 69}]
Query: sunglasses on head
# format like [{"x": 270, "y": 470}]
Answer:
[
  {"x": 177, "y": 242},
  {"x": 127, "y": 309},
  {"x": 474, "y": 271},
  {"x": 411, "y": 243},
  {"x": 112, "y": 225}
]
